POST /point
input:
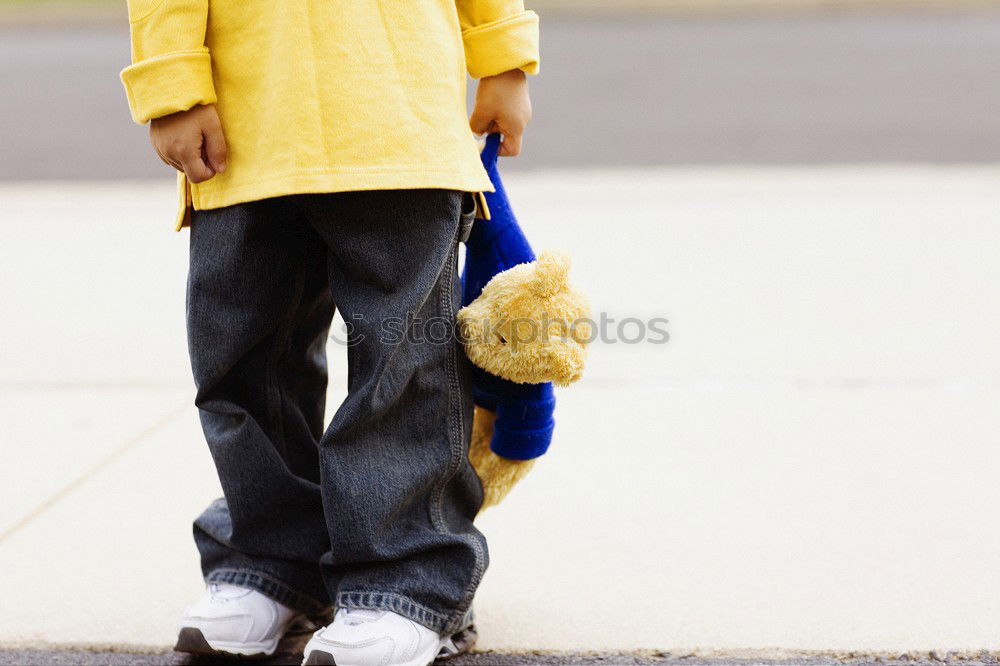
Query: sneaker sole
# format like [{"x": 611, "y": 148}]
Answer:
[
  {"x": 192, "y": 641},
  {"x": 457, "y": 644},
  {"x": 292, "y": 641}
]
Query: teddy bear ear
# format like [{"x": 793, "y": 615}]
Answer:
[{"x": 551, "y": 272}]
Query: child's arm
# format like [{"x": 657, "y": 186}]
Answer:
[
  {"x": 170, "y": 84},
  {"x": 501, "y": 46}
]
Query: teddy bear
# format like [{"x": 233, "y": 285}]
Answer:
[{"x": 525, "y": 328}]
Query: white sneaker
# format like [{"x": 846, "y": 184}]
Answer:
[
  {"x": 382, "y": 638},
  {"x": 234, "y": 620}
]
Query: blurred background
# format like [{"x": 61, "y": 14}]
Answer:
[
  {"x": 807, "y": 189},
  {"x": 626, "y": 83}
]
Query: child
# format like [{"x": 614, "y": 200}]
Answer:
[{"x": 324, "y": 149}]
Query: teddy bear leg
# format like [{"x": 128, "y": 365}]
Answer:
[{"x": 498, "y": 475}]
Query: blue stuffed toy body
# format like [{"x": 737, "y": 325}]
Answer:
[{"x": 524, "y": 412}]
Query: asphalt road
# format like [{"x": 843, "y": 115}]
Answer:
[
  {"x": 84, "y": 658},
  {"x": 629, "y": 90}
]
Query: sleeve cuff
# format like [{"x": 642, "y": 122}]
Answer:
[
  {"x": 168, "y": 83},
  {"x": 521, "y": 445},
  {"x": 500, "y": 46}
]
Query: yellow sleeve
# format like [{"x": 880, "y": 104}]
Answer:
[
  {"x": 499, "y": 35},
  {"x": 172, "y": 68}
]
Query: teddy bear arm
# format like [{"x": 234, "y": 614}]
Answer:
[{"x": 523, "y": 427}]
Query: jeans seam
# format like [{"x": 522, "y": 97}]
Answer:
[
  {"x": 455, "y": 429},
  {"x": 444, "y": 299}
]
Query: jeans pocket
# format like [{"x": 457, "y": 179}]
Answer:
[{"x": 467, "y": 217}]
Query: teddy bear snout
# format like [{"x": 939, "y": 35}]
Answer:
[{"x": 565, "y": 362}]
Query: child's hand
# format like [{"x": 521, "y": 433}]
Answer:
[
  {"x": 503, "y": 105},
  {"x": 191, "y": 141}
]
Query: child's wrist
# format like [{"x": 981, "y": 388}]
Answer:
[{"x": 510, "y": 74}]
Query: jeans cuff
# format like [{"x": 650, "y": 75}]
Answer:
[
  {"x": 443, "y": 624},
  {"x": 270, "y": 587}
]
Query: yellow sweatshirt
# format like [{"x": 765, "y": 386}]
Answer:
[{"x": 326, "y": 95}]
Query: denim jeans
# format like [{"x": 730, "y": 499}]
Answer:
[{"x": 376, "y": 511}]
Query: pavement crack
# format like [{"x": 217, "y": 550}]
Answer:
[{"x": 79, "y": 481}]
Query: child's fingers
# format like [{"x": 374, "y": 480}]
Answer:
[
  {"x": 481, "y": 122},
  {"x": 194, "y": 167},
  {"x": 169, "y": 162},
  {"x": 214, "y": 146},
  {"x": 511, "y": 145}
]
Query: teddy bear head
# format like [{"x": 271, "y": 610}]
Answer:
[{"x": 529, "y": 325}]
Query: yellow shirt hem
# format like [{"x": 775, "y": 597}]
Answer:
[{"x": 315, "y": 181}]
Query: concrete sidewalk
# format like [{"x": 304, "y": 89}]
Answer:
[{"x": 809, "y": 464}]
